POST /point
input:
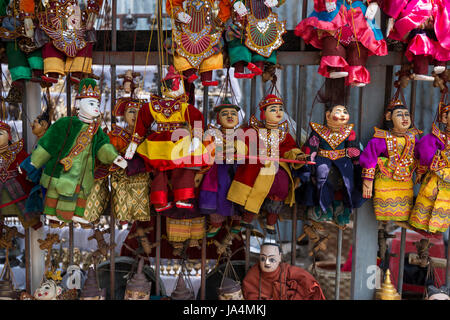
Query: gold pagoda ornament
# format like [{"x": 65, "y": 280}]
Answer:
[{"x": 387, "y": 291}]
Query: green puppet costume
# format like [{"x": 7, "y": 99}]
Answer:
[
  {"x": 68, "y": 150},
  {"x": 23, "y": 55},
  {"x": 255, "y": 38}
]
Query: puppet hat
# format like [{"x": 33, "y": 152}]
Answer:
[
  {"x": 88, "y": 89},
  {"x": 226, "y": 104}
]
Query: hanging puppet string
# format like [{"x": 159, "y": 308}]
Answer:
[{"x": 148, "y": 52}]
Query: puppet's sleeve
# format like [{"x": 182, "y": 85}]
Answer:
[
  {"x": 353, "y": 147},
  {"x": 143, "y": 122},
  {"x": 312, "y": 144},
  {"x": 369, "y": 157}
]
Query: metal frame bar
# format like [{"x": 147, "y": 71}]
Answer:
[{"x": 338, "y": 265}]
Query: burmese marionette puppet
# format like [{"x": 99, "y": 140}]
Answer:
[
  {"x": 197, "y": 37},
  {"x": 173, "y": 152},
  {"x": 217, "y": 180},
  {"x": 423, "y": 25},
  {"x": 346, "y": 32},
  {"x": 71, "y": 39},
  {"x": 129, "y": 194},
  {"x": 262, "y": 183},
  {"x": 431, "y": 211},
  {"x": 17, "y": 31},
  {"x": 68, "y": 150},
  {"x": 388, "y": 164},
  {"x": 272, "y": 279},
  {"x": 14, "y": 187},
  {"x": 330, "y": 187},
  {"x": 254, "y": 36}
]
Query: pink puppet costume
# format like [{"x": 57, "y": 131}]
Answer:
[
  {"x": 424, "y": 26},
  {"x": 432, "y": 208},
  {"x": 346, "y": 37}
]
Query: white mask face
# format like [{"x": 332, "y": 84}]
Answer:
[
  {"x": 89, "y": 108},
  {"x": 269, "y": 258}
]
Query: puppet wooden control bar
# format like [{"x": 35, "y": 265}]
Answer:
[{"x": 355, "y": 69}]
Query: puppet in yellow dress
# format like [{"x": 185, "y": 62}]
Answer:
[
  {"x": 432, "y": 208},
  {"x": 389, "y": 160},
  {"x": 130, "y": 188}
]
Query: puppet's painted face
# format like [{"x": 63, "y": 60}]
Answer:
[
  {"x": 445, "y": 119},
  {"x": 232, "y": 296},
  {"x": 274, "y": 114},
  {"x": 136, "y": 295},
  {"x": 228, "y": 118},
  {"x": 337, "y": 117},
  {"x": 269, "y": 258},
  {"x": 4, "y": 138},
  {"x": 130, "y": 116},
  {"x": 39, "y": 127},
  {"x": 47, "y": 291},
  {"x": 90, "y": 107},
  {"x": 401, "y": 119},
  {"x": 74, "y": 20}
]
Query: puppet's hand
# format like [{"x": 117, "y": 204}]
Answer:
[
  {"x": 29, "y": 27},
  {"x": 194, "y": 144},
  {"x": 184, "y": 17},
  {"x": 198, "y": 179},
  {"x": 271, "y": 3},
  {"x": 131, "y": 150},
  {"x": 331, "y": 6},
  {"x": 45, "y": 2},
  {"x": 367, "y": 188},
  {"x": 240, "y": 8},
  {"x": 371, "y": 11},
  {"x": 92, "y": 17},
  {"x": 121, "y": 162}
]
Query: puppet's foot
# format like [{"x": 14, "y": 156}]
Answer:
[
  {"x": 177, "y": 248},
  {"x": 254, "y": 69},
  {"x": 422, "y": 77},
  {"x": 192, "y": 78},
  {"x": 403, "y": 224},
  {"x": 244, "y": 75},
  {"x": 160, "y": 208},
  {"x": 213, "y": 231},
  {"x": 49, "y": 79},
  {"x": 338, "y": 74},
  {"x": 439, "y": 69},
  {"x": 247, "y": 225},
  {"x": 194, "y": 243},
  {"x": 184, "y": 204},
  {"x": 359, "y": 85},
  {"x": 236, "y": 229}
]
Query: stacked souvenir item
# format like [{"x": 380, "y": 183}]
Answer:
[
  {"x": 197, "y": 42},
  {"x": 388, "y": 164},
  {"x": 68, "y": 150},
  {"x": 253, "y": 36},
  {"x": 431, "y": 211},
  {"x": 138, "y": 287},
  {"x": 423, "y": 26},
  {"x": 264, "y": 181},
  {"x": 346, "y": 32},
  {"x": 272, "y": 279}
]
